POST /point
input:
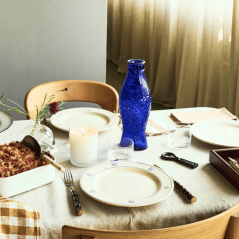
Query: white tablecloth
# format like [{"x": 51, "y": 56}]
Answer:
[{"x": 214, "y": 193}]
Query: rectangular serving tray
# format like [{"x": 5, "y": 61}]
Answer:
[
  {"x": 219, "y": 159},
  {"x": 22, "y": 182}
]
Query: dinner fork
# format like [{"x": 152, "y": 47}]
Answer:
[{"x": 68, "y": 179}]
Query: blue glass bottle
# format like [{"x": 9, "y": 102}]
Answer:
[{"x": 135, "y": 104}]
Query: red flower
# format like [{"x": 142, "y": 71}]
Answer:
[{"x": 54, "y": 108}]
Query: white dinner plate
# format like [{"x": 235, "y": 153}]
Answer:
[
  {"x": 98, "y": 118},
  {"x": 219, "y": 132},
  {"x": 126, "y": 184},
  {"x": 6, "y": 120}
]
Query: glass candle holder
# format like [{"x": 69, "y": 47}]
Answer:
[{"x": 83, "y": 145}]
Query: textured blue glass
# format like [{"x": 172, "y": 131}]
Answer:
[{"x": 135, "y": 104}]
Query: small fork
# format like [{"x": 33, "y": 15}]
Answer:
[{"x": 68, "y": 179}]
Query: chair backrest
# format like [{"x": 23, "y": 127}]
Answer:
[
  {"x": 211, "y": 228},
  {"x": 77, "y": 90}
]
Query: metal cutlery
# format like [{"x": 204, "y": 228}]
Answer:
[
  {"x": 234, "y": 164},
  {"x": 30, "y": 142},
  {"x": 183, "y": 123},
  {"x": 184, "y": 191},
  {"x": 68, "y": 179}
]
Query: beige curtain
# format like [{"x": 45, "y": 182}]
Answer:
[{"x": 191, "y": 48}]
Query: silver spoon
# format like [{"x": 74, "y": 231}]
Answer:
[{"x": 30, "y": 142}]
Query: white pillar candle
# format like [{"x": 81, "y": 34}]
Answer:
[{"x": 83, "y": 145}]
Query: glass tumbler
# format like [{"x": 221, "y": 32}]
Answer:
[
  {"x": 179, "y": 136},
  {"x": 120, "y": 148}
]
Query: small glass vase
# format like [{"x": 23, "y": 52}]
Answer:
[
  {"x": 39, "y": 132},
  {"x": 135, "y": 104}
]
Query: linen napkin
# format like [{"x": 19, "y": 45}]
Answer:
[
  {"x": 193, "y": 117},
  {"x": 155, "y": 126},
  {"x": 18, "y": 220}
]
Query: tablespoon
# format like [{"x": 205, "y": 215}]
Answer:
[
  {"x": 171, "y": 156},
  {"x": 30, "y": 142}
]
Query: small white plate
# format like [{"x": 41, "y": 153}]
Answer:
[
  {"x": 219, "y": 132},
  {"x": 98, "y": 118},
  {"x": 6, "y": 120},
  {"x": 126, "y": 184}
]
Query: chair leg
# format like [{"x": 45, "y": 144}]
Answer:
[{"x": 233, "y": 227}]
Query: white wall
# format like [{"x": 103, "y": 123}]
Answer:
[{"x": 50, "y": 40}]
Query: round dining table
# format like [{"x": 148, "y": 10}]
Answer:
[{"x": 213, "y": 191}]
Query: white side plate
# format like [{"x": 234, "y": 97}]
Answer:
[
  {"x": 98, "y": 118},
  {"x": 217, "y": 132},
  {"x": 6, "y": 120},
  {"x": 126, "y": 184}
]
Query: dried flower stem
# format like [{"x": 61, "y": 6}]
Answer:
[
  {"x": 41, "y": 114},
  {"x": 13, "y": 108}
]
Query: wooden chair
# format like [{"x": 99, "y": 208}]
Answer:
[
  {"x": 77, "y": 90},
  {"x": 224, "y": 225}
]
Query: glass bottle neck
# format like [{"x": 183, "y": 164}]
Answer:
[
  {"x": 136, "y": 71},
  {"x": 136, "y": 66}
]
